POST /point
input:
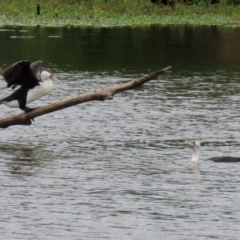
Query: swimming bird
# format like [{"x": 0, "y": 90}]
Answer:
[
  {"x": 195, "y": 145},
  {"x": 32, "y": 85}
]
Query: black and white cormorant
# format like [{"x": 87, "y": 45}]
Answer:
[
  {"x": 32, "y": 85},
  {"x": 195, "y": 145}
]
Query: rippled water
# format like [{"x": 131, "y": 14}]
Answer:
[{"x": 119, "y": 169}]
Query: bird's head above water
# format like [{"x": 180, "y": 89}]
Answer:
[
  {"x": 46, "y": 76},
  {"x": 193, "y": 144}
]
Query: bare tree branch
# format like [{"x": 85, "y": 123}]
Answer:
[{"x": 99, "y": 95}]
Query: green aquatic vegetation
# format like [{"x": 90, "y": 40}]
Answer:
[{"x": 114, "y": 13}]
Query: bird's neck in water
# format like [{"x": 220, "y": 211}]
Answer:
[{"x": 195, "y": 156}]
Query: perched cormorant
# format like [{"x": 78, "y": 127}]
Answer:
[
  {"x": 32, "y": 85},
  {"x": 195, "y": 145}
]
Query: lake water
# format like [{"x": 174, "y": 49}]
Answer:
[{"x": 119, "y": 169}]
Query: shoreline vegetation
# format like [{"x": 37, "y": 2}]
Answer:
[{"x": 116, "y": 13}]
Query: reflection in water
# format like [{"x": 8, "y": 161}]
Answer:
[
  {"x": 119, "y": 169},
  {"x": 195, "y": 167},
  {"x": 25, "y": 160},
  {"x": 125, "y": 50}
]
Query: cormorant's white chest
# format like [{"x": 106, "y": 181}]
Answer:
[
  {"x": 44, "y": 88},
  {"x": 11, "y": 104}
]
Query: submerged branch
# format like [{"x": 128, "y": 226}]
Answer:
[{"x": 99, "y": 95}]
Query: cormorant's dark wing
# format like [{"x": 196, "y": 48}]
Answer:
[
  {"x": 224, "y": 159},
  {"x": 35, "y": 66},
  {"x": 21, "y": 74}
]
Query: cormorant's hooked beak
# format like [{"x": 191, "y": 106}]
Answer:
[{"x": 53, "y": 78}]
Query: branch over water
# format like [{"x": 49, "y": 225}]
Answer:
[{"x": 99, "y": 95}]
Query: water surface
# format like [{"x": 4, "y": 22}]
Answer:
[{"x": 119, "y": 169}]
